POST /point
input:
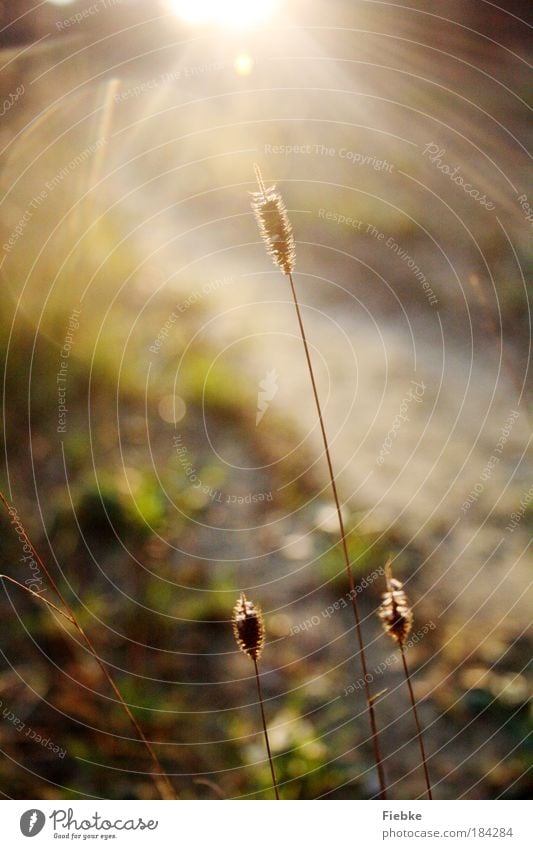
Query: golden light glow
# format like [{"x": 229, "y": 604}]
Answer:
[
  {"x": 243, "y": 64},
  {"x": 172, "y": 408},
  {"x": 231, "y": 13}
]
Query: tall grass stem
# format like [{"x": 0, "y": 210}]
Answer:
[
  {"x": 349, "y": 572},
  {"x": 160, "y": 778},
  {"x": 417, "y": 723},
  {"x": 265, "y": 732}
]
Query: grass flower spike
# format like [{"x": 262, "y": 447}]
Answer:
[
  {"x": 397, "y": 619},
  {"x": 274, "y": 225},
  {"x": 249, "y": 631},
  {"x": 395, "y": 613},
  {"x": 248, "y": 627}
]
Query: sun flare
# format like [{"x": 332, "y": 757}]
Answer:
[{"x": 231, "y": 13}]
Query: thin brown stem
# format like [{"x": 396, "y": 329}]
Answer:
[
  {"x": 160, "y": 778},
  {"x": 37, "y": 596},
  {"x": 417, "y": 723},
  {"x": 265, "y": 732},
  {"x": 349, "y": 572}
]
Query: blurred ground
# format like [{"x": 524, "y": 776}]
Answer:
[{"x": 136, "y": 286}]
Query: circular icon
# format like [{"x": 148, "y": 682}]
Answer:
[{"x": 32, "y": 822}]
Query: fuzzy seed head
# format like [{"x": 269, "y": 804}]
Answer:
[
  {"x": 248, "y": 627},
  {"x": 395, "y": 613},
  {"x": 274, "y": 225}
]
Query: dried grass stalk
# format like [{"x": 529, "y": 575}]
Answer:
[
  {"x": 276, "y": 231},
  {"x": 249, "y": 631},
  {"x": 160, "y": 778},
  {"x": 397, "y": 619}
]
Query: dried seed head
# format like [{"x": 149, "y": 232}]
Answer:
[
  {"x": 395, "y": 612},
  {"x": 274, "y": 225},
  {"x": 248, "y": 627}
]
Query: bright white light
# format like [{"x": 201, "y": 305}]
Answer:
[
  {"x": 232, "y": 13},
  {"x": 244, "y": 64},
  {"x": 61, "y": 2}
]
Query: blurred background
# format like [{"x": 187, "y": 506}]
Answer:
[{"x": 161, "y": 443}]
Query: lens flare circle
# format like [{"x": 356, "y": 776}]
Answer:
[{"x": 243, "y": 64}]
